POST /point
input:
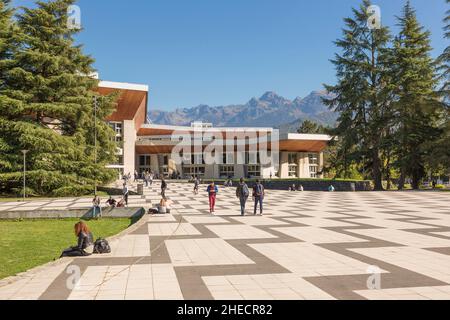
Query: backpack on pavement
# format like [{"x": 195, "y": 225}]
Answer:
[{"x": 102, "y": 246}]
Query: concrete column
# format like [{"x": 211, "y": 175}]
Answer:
[
  {"x": 210, "y": 171},
  {"x": 154, "y": 163},
  {"x": 239, "y": 171},
  {"x": 284, "y": 165},
  {"x": 321, "y": 164},
  {"x": 304, "y": 165},
  {"x": 129, "y": 146}
]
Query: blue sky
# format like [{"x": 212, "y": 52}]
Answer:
[{"x": 221, "y": 52}]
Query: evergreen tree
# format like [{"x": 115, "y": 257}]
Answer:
[
  {"x": 7, "y": 47},
  {"x": 438, "y": 152},
  {"x": 361, "y": 94},
  {"x": 417, "y": 107},
  {"x": 311, "y": 127},
  {"x": 444, "y": 59},
  {"x": 53, "y": 113}
]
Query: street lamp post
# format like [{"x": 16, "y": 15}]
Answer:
[
  {"x": 95, "y": 143},
  {"x": 24, "y": 172}
]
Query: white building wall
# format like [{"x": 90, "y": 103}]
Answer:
[{"x": 129, "y": 146}]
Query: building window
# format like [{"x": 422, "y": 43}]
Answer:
[
  {"x": 252, "y": 158},
  {"x": 313, "y": 171},
  {"x": 293, "y": 164},
  {"x": 292, "y": 171},
  {"x": 117, "y": 127},
  {"x": 313, "y": 164},
  {"x": 198, "y": 171},
  {"x": 226, "y": 171},
  {"x": 228, "y": 158},
  {"x": 119, "y": 161},
  {"x": 144, "y": 160},
  {"x": 197, "y": 158},
  {"x": 254, "y": 171},
  {"x": 313, "y": 158}
]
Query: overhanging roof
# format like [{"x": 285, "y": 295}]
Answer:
[{"x": 132, "y": 102}]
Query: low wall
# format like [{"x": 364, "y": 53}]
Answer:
[
  {"x": 132, "y": 213},
  {"x": 308, "y": 185}
]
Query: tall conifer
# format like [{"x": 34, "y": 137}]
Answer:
[
  {"x": 53, "y": 116},
  {"x": 360, "y": 94}
]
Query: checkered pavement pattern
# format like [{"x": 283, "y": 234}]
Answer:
[{"x": 306, "y": 246}]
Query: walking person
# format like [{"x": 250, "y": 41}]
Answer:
[
  {"x": 146, "y": 178},
  {"x": 258, "y": 196},
  {"x": 136, "y": 176},
  {"x": 125, "y": 193},
  {"x": 96, "y": 204},
  {"x": 212, "y": 194},
  {"x": 196, "y": 185},
  {"x": 242, "y": 193},
  {"x": 163, "y": 187},
  {"x": 150, "y": 177}
]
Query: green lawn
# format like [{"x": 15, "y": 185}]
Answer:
[{"x": 30, "y": 243}]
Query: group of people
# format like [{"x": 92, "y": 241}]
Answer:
[
  {"x": 242, "y": 193},
  {"x": 331, "y": 188},
  {"x": 295, "y": 188},
  {"x": 97, "y": 210}
]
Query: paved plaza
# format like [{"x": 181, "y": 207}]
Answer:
[{"x": 308, "y": 245}]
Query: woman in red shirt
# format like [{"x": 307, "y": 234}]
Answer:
[{"x": 212, "y": 193}]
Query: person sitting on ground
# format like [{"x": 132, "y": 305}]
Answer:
[
  {"x": 292, "y": 188},
  {"x": 111, "y": 202},
  {"x": 300, "y": 188},
  {"x": 164, "y": 206},
  {"x": 85, "y": 242},
  {"x": 331, "y": 188}
]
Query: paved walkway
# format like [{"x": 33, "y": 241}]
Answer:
[{"x": 308, "y": 245}]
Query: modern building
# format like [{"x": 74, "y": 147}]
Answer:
[{"x": 205, "y": 151}]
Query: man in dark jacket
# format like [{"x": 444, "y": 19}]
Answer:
[
  {"x": 258, "y": 196},
  {"x": 242, "y": 194}
]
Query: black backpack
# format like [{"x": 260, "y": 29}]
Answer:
[{"x": 101, "y": 246}]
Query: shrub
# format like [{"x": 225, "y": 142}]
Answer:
[{"x": 72, "y": 191}]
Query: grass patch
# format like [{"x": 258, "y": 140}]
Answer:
[{"x": 29, "y": 243}]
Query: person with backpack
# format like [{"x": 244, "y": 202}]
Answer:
[
  {"x": 242, "y": 194},
  {"x": 85, "y": 242},
  {"x": 212, "y": 194},
  {"x": 258, "y": 196},
  {"x": 196, "y": 185},
  {"x": 125, "y": 193}
]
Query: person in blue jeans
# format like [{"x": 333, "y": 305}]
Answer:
[
  {"x": 242, "y": 194},
  {"x": 258, "y": 196}
]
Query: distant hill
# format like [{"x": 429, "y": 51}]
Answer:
[{"x": 270, "y": 110}]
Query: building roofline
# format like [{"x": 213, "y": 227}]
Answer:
[
  {"x": 305, "y": 137},
  {"x": 123, "y": 86},
  {"x": 187, "y": 128}
]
